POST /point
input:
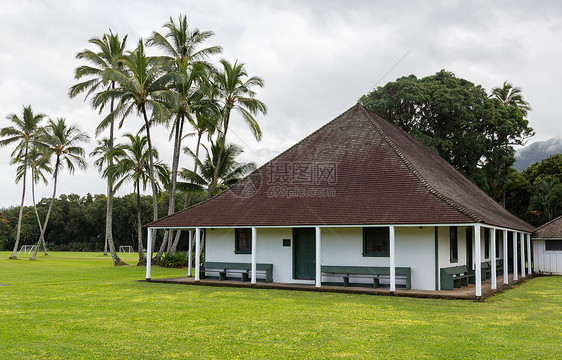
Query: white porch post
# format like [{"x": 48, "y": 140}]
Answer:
[
  {"x": 529, "y": 268},
  {"x": 515, "y": 275},
  {"x": 505, "y": 265},
  {"x": 522, "y": 238},
  {"x": 493, "y": 286},
  {"x": 318, "y": 257},
  {"x": 197, "y": 254},
  {"x": 148, "y": 252},
  {"x": 392, "y": 260},
  {"x": 477, "y": 259},
  {"x": 254, "y": 252},
  {"x": 189, "y": 254}
]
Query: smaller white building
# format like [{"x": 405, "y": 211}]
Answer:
[{"x": 547, "y": 247}]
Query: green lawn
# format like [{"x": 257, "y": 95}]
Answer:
[{"x": 77, "y": 305}]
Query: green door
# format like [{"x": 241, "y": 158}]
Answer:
[{"x": 304, "y": 253}]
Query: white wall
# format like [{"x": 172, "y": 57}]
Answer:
[
  {"x": 546, "y": 261},
  {"x": 414, "y": 249},
  {"x": 340, "y": 246},
  {"x": 270, "y": 250},
  {"x": 445, "y": 247}
]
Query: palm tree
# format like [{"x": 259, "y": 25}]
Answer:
[
  {"x": 547, "y": 201},
  {"x": 511, "y": 96},
  {"x": 105, "y": 150},
  {"x": 62, "y": 142},
  {"x": 235, "y": 93},
  {"x": 204, "y": 122},
  {"x": 39, "y": 165},
  {"x": 186, "y": 60},
  {"x": 109, "y": 56},
  {"x": 508, "y": 95},
  {"x": 230, "y": 171},
  {"x": 202, "y": 181},
  {"x": 133, "y": 165},
  {"x": 22, "y": 132},
  {"x": 142, "y": 89}
]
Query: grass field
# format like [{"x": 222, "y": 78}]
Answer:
[{"x": 77, "y": 305}]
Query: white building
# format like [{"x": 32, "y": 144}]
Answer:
[
  {"x": 357, "y": 201},
  {"x": 547, "y": 247}
]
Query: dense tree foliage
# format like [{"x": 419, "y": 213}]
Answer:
[
  {"x": 545, "y": 170},
  {"x": 77, "y": 222},
  {"x": 536, "y": 195},
  {"x": 470, "y": 129}
]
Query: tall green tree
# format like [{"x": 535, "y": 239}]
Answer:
[
  {"x": 105, "y": 152},
  {"x": 185, "y": 58},
  {"x": 22, "y": 132},
  {"x": 39, "y": 164},
  {"x": 458, "y": 120},
  {"x": 546, "y": 204},
  {"x": 203, "y": 181},
  {"x": 63, "y": 143},
  {"x": 235, "y": 93},
  {"x": 204, "y": 122},
  {"x": 142, "y": 89},
  {"x": 134, "y": 165},
  {"x": 509, "y": 127},
  {"x": 107, "y": 56}
]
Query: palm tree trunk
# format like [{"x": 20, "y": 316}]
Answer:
[
  {"x": 57, "y": 164},
  {"x": 151, "y": 170},
  {"x": 18, "y": 231},
  {"x": 109, "y": 218},
  {"x": 142, "y": 258},
  {"x": 109, "y": 208},
  {"x": 188, "y": 197},
  {"x": 41, "y": 238},
  {"x": 174, "y": 175},
  {"x": 219, "y": 157}
]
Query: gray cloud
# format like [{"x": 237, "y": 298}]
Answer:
[{"x": 316, "y": 57}]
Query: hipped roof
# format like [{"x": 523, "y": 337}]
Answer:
[
  {"x": 549, "y": 230},
  {"x": 358, "y": 169}
]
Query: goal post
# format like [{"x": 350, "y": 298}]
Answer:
[
  {"x": 27, "y": 249},
  {"x": 126, "y": 248}
]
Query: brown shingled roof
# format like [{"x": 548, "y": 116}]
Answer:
[
  {"x": 549, "y": 230},
  {"x": 358, "y": 169}
]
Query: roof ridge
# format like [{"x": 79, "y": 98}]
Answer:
[
  {"x": 417, "y": 174},
  {"x": 547, "y": 223}
]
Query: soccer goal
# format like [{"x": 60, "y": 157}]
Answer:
[
  {"x": 27, "y": 249},
  {"x": 126, "y": 248}
]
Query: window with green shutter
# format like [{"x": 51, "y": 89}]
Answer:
[
  {"x": 376, "y": 242},
  {"x": 453, "y": 244},
  {"x": 243, "y": 241}
]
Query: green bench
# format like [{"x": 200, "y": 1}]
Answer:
[
  {"x": 499, "y": 267},
  {"x": 244, "y": 269},
  {"x": 374, "y": 272},
  {"x": 487, "y": 269},
  {"x": 456, "y": 277}
]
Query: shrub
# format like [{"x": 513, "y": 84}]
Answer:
[
  {"x": 82, "y": 246},
  {"x": 64, "y": 247},
  {"x": 175, "y": 260}
]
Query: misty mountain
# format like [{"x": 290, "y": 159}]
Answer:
[{"x": 536, "y": 151}]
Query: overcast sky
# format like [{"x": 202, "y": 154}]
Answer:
[{"x": 316, "y": 58}]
